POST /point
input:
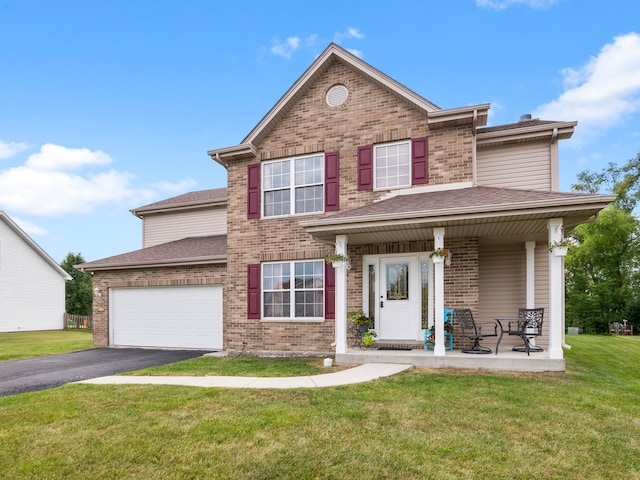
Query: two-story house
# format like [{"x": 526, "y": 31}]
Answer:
[{"x": 351, "y": 161}]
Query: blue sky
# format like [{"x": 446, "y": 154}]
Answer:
[{"x": 109, "y": 105}]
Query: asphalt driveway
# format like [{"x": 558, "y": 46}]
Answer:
[{"x": 40, "y": 373}]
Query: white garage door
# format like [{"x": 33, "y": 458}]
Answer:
[{"x": 171, "y": 317}]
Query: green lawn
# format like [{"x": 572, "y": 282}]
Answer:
[
  {"x": 420, "y": 424},
  {"x": 17, "y": 345}
]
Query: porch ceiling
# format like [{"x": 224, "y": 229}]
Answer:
[{"x": 464, "y": 213}]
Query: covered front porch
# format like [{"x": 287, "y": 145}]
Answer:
[{"x": 499, "y": 240}]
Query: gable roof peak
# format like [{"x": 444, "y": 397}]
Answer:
[{"x": 332, "y": 53}]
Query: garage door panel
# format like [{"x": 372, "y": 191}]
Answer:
[{"x": 173, "y": 317}]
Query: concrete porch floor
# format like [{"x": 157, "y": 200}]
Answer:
[{"x": 503, "y": 361}]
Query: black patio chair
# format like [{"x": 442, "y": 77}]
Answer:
[
  {"x": 473, "y": 331},
  {"x": 527, "y": 326}
]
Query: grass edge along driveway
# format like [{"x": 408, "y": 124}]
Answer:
[
  {"x": 421, "y": 424},
  {"x": 19, "y": 345}
]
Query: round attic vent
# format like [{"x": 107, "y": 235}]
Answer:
[{"x": 337, "y": 95}]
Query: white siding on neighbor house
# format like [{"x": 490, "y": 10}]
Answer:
[
  {"x": 32, "y": 293},
  {"x": 166, "y": 227},
  {"x": 503, "y": 286},
  {"x": 526, "y": 166}
]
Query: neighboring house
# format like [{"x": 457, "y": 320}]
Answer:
[
  {"x": 32, "y": 284},
  {"x": 349, "y": 160}
]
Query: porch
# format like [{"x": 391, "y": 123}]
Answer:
[{"x": 419, "y": 358}]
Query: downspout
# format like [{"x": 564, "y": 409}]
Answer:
[
  {"x": 219, "y": 160},
  {"x": 473, "y": 147},
  {"x": 555, "y": 186},
  {"x": 555, "y": 168}
]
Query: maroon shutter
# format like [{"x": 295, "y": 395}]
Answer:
[
  {"x": 419, "y": 161},
  {"x": 253, "y": 191},
  {"x": 253, "y": 291},
  {"x": 365, "y": 168},
  {"x": 331, "y": 181},
  {"x": 329, "y": 292}
]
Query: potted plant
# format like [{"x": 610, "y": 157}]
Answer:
[
  {"x": 431, "y": 339},
  {"x": 369, "y": 338},
  {"x": 439, "y": 255},
  {"x": 338, "y": 259},
  {"x": 360, "y": 319},
  {"x": 559, "y": 248}
]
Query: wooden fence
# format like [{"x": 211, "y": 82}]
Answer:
[{"x": 77, "y": 322}]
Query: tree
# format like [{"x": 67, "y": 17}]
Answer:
[
  {"x": 78, "y": 294},
  {"x": 602, "y": 271},
  {"x": 623, "y": 181}
]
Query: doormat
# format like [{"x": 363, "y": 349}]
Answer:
[{"x": 396, "y": 348}]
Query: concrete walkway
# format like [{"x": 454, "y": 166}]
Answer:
[{"x": 359, "y": 374}]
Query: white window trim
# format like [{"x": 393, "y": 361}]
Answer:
[
  {"x": 292, "y": 187},
  {"x": 292, "y": 290},
  {"x": 375, "y": 165}
]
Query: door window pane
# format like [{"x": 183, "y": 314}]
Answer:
[{"x": 397, "y": 281}]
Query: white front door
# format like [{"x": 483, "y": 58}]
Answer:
[{"x": 399, "y": 313}]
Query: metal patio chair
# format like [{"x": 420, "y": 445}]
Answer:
[
  {"x": 473, "y": 331},
  {"x": 527, "y": 326}
]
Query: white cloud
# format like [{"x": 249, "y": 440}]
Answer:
[
  {"x": 603, "y": 92},
  {"x": 44, "y": 186},
  {"x": 57, "y": 157},
  {"x": 350, "y": 33},
  {"x": 356, "y": 52},
  {"x": 46, "y": 192},
  {"x": 503, "y": 4},
  {"x": 11, "y": 149},
  {"x": 29, "y": 227},
  {"x": 175, "y": 187},
  {"x": 285, "y": 49}
]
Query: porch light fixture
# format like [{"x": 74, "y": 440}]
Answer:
[{"x": 96, "y": 292}]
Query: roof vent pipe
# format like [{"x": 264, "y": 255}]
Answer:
[{"x": 525, "y": 117}]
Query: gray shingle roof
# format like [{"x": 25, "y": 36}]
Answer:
[
  {"x": 201, "y": 197},
  {"x": 192, "y": 250},
  {"x": 441, "y": 202},
  {"x": 510, "y": 126}
]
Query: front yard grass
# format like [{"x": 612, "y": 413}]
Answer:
[
  {"x": 17, "y": 345},
  {"x": 241, "y": 366},
  {"x": 420, "y": 424}
]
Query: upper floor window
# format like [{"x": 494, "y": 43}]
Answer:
[
  {"x": 392, "y": 165},
  {"x": 293, "y": 186}
]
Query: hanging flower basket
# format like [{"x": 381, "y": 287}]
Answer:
[
  {"x": 339, "y": 260},
  {"x": 439, "y": 255},
  {"x": 559, "y": 249}
]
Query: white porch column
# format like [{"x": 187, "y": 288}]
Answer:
[
  {"x": 438, "y": 277},
  {"x": 556, "y": 291},
  {"x": 341, "y": 297},
  {"x": 531, "y": 274}
]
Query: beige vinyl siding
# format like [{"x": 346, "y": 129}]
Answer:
[
  {"x": 167, "y": 227},
  {"x": 503, "y": 287},
  {"x": 526, "y": 166}
]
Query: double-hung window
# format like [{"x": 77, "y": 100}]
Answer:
[
  {"x": 300, "y": 297},
  {"x": 392, "y": 165},
  {"x": 293, "y": 186}
]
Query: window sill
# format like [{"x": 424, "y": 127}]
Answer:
[{"x": 292, "y": 320}]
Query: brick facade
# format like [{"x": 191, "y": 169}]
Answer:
[{"x": 370, "y": 115}]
